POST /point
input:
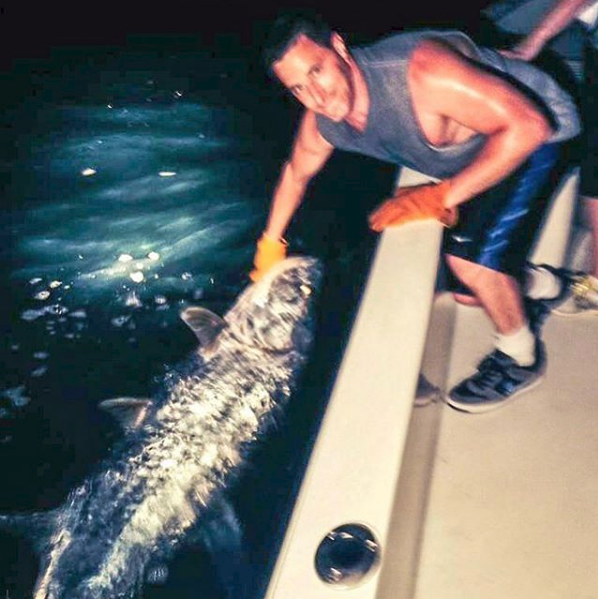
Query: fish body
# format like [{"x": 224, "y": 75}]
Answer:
[{"x": 166, "y": 478}]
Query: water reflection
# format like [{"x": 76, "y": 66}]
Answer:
[{"x": 120, "y": 210}]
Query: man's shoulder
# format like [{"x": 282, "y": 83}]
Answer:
[{"x": 400, "y": 45}]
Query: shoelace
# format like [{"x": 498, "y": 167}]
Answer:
[{"x": 489, "y": 371}]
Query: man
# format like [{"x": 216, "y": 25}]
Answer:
[
  {"x": 435, "y": 102},
  {"x": 563, "y": 15}
]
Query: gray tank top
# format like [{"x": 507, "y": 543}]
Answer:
[{"x": 392, "y": 133}]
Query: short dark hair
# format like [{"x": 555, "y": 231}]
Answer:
[{"x": 287, "y": 28}]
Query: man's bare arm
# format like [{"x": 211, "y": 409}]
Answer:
[
  {"x": 309, "y": 154},
  {"x": 561, "y": 16},
  {"x": 446, "y": 85}
]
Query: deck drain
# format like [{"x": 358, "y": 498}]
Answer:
[{"x": 347, "y": 555}]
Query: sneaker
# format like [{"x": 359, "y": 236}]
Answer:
[
  {"x": 564, "y": 278},
  {"x": 578, "y": 295},
  {"x": 581, "y": 297},
  {"x": 498, "y": 380}
]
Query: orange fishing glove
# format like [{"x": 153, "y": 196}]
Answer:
[
  {"x": 269, "y": 252},
  {"x": 414, "y": 203}
]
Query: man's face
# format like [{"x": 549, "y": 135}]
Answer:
[{"x": 318, "y": 77}]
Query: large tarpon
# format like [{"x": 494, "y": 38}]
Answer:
[{"x": 164, "y": 481}]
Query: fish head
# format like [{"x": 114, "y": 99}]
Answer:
[{"x": 276, "y": 313}]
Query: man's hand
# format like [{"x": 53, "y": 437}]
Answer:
[
  {"x": 419, "y": 202},
  {"x": 269, "y": 252}
]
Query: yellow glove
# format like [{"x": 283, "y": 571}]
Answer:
[
  {"x": 269, "y": 252},
  {"x": 414, "y": 203}
]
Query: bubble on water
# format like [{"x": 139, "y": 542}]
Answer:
[
  {"x": 78, "y": 314},
  {"x": 15, "y": 347},
  {"x": 88, "y": 172},
  {"x": 69, "y": 336},
  {"x": 119, "y": 320},
  {"x": 55, "y": 284},
  {"x": 35, "y": 281},
  {"x": 30, "y": 315},
  {"x": 186, "y": 276},
  {"x": 17, "y": 396},
  {"x": 137, "y": 276},
  {"x": 133, "y": 300},
  {"x": 178, "y": 94},
  {"x": 153, "y": 256},
  {"x": 57, "y": 309},
  {"x": 109, "y": 106},
  {"x": 39, "y": 371},
  {"x": 167, "y": 173},
  {"x": 41, "y": 355},
  {"x": 160, "y": 299},
  {"x": 125, "y": 258},
  {"x": 42, "y": 295}
]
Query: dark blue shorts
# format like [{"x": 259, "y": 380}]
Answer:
[{"x": 497, "y": 229}]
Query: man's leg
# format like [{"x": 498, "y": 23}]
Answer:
[
  {"x": 565, "y": 292},
  {"x": 517, "y": 361},
  {"x": 486, "y": 253},
  {"x": 591, "y": 208},
  {"x": 497, "y": 292},
  {"x": 583, "y": 290}
]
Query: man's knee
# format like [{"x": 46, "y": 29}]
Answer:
[{"x": 469, "y": 273}]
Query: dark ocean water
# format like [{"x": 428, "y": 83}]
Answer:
[{"x": 135, "y": 182}]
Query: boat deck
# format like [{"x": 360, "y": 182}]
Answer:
[
  {"x": 511, "y": 510},
  {"x": 461, "y": 506}
]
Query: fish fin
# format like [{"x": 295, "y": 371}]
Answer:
[
  {"x": 221, "y": 533},
  {"x": 36, "y": 527},
  {"x": 204, "y": 323},
  {"x": 129, "y": 412}
]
